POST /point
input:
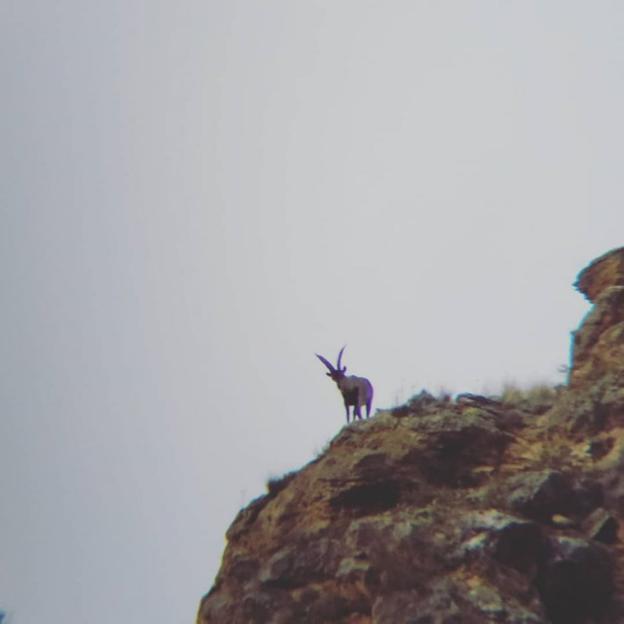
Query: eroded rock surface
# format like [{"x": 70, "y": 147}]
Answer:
[
  {"x": 598, "y": 347},
  {"x": 602, "y": 273},
  {"x": 472, "y": 511}
]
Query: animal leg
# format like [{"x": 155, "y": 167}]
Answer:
[{"x": 356, "y": 411}]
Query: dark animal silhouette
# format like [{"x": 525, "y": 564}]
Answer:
[{"x": 356, "y": 391}]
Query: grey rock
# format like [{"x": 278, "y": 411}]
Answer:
[
  {"x": 509, "y": 540},
  {"x": 543, "y": 494},
  {"x": 540, "y": 494}
]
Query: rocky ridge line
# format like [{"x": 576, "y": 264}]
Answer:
[{"x": 471, "y": 511}]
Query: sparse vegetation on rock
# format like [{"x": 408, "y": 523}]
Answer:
[{"x": 468, "y": 511}]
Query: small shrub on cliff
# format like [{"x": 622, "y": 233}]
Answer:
[
  {"x": 416, "y": 405},
  {"x": 276, "y": 484},
  {"x": 537, "y": 399}
]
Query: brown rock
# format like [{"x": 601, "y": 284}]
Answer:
[
  {"x": 540, "y": 495},
  {"x": 601, "y": 526},
  {"x": 509, "y": 540},
  {"x": 605, "y": 271},
  {"x": 598, "y": 348}
]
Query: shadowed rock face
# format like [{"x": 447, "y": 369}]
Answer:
[{"x": 470, "y": 511}]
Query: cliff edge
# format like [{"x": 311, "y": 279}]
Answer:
[{"x": 466, "y": 511}]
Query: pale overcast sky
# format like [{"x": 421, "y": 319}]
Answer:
[{"x": 197, "y": 196}]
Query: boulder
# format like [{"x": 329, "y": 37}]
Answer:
[{"x": 575, "y": 581}]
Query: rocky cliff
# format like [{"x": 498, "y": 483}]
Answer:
[{"x": 464, "y": 511}]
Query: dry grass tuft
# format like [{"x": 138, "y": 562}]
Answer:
[{"x": 537, "y": 398}]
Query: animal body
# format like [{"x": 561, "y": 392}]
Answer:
[{"x": 356, "y": 391}]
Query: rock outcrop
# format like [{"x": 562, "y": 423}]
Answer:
[
  {"x": 598, "y": 347},
  {"x": 465, "y": 511}
]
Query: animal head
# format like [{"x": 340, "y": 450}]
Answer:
[{"x": 339, "y": 371}]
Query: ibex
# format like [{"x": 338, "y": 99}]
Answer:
[{"x": 356, "y": 391}]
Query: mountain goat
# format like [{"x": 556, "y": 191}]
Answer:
[{"x": 356, "y": 391}]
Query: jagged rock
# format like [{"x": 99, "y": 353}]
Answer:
[
  {"x": 601, "y": 273},
  {"x": 539, "y": 495},
  {"x": 608, "y": 470},
  {"x": 509, "y": 540},
  {"x": 246, "y": 517},
  {"x": 477, "y": 400},
  {"x": 601, "y": 526},
  {"x": 590, "y": 411},
  {"x": 456, "y": 445},
  {"x": 598, "y": 345},
  {"x": 473, "y": 511},
  {"x": 546, "y": 493},
  {"x": 576, "y": 580},
  {"x": 304, "y": 561},
  {"x": 418, "y": 404}
]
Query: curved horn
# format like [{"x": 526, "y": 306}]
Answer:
[
  {"x": 327, "y": 363},
  {"x": 340, "y": 358}
]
